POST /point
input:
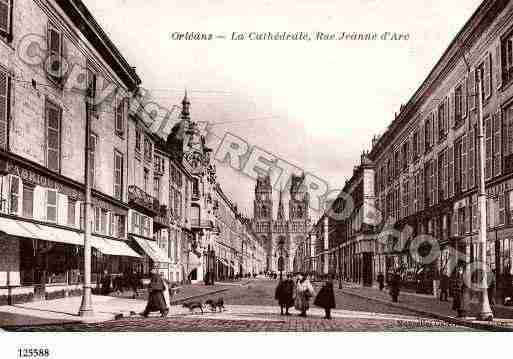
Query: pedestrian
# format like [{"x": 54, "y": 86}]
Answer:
[
  {"x": 304, "y": 292},
  {"x": 326, "y": 298},
  {"x": 492, "y": 289},
  {"x": 458, "y": 291},
  {"x": 106, "y": 283},
  {"x": 156, "y": 300},
  {"x": 444, "y": 287},
  {"x": 395, "y": 286},
  {"x": 508, "y": 285},
  {"x": 285, "y": 294},
  {"x": 381, "y": 281}
]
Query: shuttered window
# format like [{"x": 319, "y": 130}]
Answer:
[
  {"x": 4, "y": 109},
  {"x": 53, "y": 136},
  {"x": 5, "y": 17},
  {"x": 14, "y": 194},
  {"x": 28, "y": 201},
  {"x": 487, "y": 76},
  {"x": 118, "y": 175},
  {"x": 442, "y": 121},
  {"x": 488, "y": 147},
  {"x": 497, "y": 144},
  {"x": 472, "y": 91},
  {"x": 457, "y": 166},
  {"x": 71, "y": 212},
  {"x": 471, "y": 159},
  {"x": 428, "y": 134},
  {"x": 51, "y": 206},
  {"x": 458, "y": 106},
  {"x": 55, "y": 46},
  {"x": 120, "y": 117},
  {"x": 507, "y": 59}
]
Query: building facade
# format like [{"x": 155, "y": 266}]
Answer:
[
  {"x": 280, "y": 236},
  {"x": 43, "y": 115}
]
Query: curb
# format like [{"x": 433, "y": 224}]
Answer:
[{"x": 452, "y": 320}]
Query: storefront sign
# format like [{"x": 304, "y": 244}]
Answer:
[{"x": 31, "y": 176}]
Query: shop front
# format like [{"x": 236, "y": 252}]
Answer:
[{"x": 152, "y": 257}]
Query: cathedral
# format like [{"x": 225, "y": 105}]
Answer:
[{"x": 281, "y": 236}]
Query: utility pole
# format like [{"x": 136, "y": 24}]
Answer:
[
  {"x": 86, "y": 307},
  {"x": 485, "y": 312}
]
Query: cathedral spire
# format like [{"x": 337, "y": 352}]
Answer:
[
  {"x": 281, "y": 212},
  {"x": 185, "y": 115}
]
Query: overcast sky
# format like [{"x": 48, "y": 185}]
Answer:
[{"x": 315, "y": 104}]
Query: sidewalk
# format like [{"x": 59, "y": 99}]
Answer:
[
  {"x": 427, "y": 305},
  {"x": 65, "y": 310}
]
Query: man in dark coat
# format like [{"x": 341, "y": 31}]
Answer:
[
  {"x": 381, "y": 281},
  {"x": 444, "y": 287},
  {"x": 326, "y": 298},
  {"x": 285, "y": 294},
  {"x": 395, "y": 287},
  {"x": 156, "y": 301},
  {"x": 492, "y": 289},
  {"x": 106, "y": 283}
]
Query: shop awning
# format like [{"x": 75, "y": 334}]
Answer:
[
  {"x": 113, "y": 247},
  {"x": 38, "y": 231},
  {"x": 152, "y": 250}
]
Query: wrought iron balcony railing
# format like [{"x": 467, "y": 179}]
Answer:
[{"x": 143, "y": 200}]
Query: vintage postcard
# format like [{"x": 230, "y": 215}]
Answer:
[{"x": 255, "y": 166}]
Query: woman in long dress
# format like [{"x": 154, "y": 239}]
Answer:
[
  {"x": 304, "y": 292},
  {"x": 156, "y": 299}
]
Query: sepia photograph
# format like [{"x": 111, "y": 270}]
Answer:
[{"x": 256, "y": 166}]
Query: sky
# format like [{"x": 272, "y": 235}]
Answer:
[{"x": 315, "y": 104}]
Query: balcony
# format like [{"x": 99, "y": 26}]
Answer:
[
  {"x": 196, "y": 223},
  {"x": 161, "y": 220},
  {"x": 143, "y": 201}
]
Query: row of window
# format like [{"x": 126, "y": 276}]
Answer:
[
  {"x": 56, "y": 208},
  {"x": 141, "y": 225}
]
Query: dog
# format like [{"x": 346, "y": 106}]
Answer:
[
  {"x": 214, "y": 305},
  {"x": 193, "y": 305}
]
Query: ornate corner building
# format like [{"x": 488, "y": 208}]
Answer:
[{"x": 281, "y": 236}]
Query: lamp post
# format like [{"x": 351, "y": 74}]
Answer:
[
  {"x": 485, "y": 312},
  {"x": 86, "y": 307}
]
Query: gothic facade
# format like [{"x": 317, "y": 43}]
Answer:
[{"x": 282, "y": 235}]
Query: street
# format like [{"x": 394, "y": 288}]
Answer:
[{"x": 251, "y": 307}]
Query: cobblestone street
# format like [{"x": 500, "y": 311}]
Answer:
[{"x": 252, "y": 307}]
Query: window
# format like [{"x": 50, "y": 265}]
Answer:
[
  {"x": 458, "y": 106},
  {"x": 5, "y": 19},
  {"x": 118, "y": 225},
  {"x": 428, "y": 134},
  {"x": 120, "y": 117},
  {"x": 71, "y": 212},
  {"x": 488, "y": 147},
  {"x": 397, "y": 164},
  {"x": 156, "y": 188},
  {"x": 135, "y": 223},
  {"x": 53, "y": 136},
  {"x": 507, "y": 58},
  {"x": 103, "y": 221},
  {"x": 457, "y": 165},
  {"x": 148, "y": 149},
  {"x": 406, "y": 154},
  {"x": 92, "y": 158},
  {"x": 138, "y": 137},
  {"x": 146, "y": 226},
  {"x": 497, "y": 144},
  {"x": 91, "y": 90},
  {"x": 485, "y": 71},
  {"x": 471, "y": 160},
  {"x": 118, "y": 175},
  {"x": 51, "y": 206},
  {"x": 442, "y": 177},
  {"x": 415, "y": 146},
  {"x": 28, "y": 201},
  {"x": 97, "y": 219},
  {"x": 146, "y": 180},
  {"x": 5, "y": 84},
  {"x": 14, "y": 195},
  {"x": 55, "y": 53},
  {"x": 442, "y": 121}
]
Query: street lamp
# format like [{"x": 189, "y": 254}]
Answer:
[{"x": 485, "y": 312}]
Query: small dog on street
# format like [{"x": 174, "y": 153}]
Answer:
[
  {"x": 215, "y": 304},
  {"x": 193, "y": 305}
]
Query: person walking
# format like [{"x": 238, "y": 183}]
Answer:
[
  {"x": 304, "y": 291},
  {"x": 285, "y": 294},
  {"x": 156, "y": 299},
  {"x": 395, "y": 286},
  {"x": 106, "y": 283},
  {"x": 492, "y": 289},
  {"x": 326, "y": 298},
  {"x": 381, "y": 281},
  {"x": 444, "y": 287}
]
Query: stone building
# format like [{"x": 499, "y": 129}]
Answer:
[
  {"x": 426, "y": 162},
  {"x": 53, "y": 59},
  {"x": 281, "y": 236}
]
